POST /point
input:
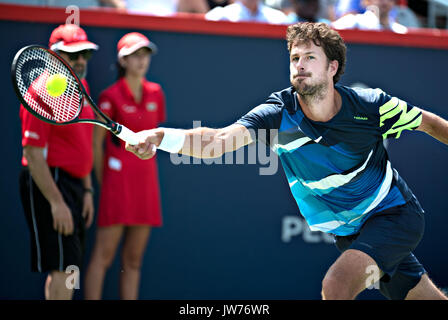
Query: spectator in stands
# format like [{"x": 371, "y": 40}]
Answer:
[
  {"x": 118, "y": 4},
  {"x": 327, "y": 9},
  {"x": 165, "y": 7},
  {"x": 153, "y": 7},
  {"x": 345, "y": 7},
  {"x": 283, "y": 5},
  {"x": 55, "y": 3},
  {"x": 247, "y": 10},
  {"x": 405, "y": 15},
  {"x": 376, "y": 17},
  {"x": 305, "y": 11},
  {"x": 201, "y": 6}
]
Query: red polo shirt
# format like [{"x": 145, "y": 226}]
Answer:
[{"x": 68, "y": 147}]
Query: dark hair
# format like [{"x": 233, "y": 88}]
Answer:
[
  {"x": 323, "y": 36},
  {"x": 121, "y": 70}
]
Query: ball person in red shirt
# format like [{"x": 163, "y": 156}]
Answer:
[
  {"x": 55, "y": 183},
  {"x": 125, "y": 179}
]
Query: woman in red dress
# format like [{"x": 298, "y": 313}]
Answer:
[{"x": 130, "y": 198}]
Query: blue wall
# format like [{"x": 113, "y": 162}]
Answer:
[{"x": 222, "y": 232}]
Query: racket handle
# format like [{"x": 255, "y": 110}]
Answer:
[{"x": 127, "y": 135}]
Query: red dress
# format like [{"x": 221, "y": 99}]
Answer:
[{"x": 130, "y": 192}]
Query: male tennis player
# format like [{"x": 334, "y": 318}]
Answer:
[
  {"x": 330, "y": 141},
  {"x": 55, "y": 185}
]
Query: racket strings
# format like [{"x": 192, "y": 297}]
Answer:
[{"x": 34, "y": 68}]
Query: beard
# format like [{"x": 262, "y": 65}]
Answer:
[{"x": 310, "y": 92}]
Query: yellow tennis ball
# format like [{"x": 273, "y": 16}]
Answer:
[{"x": 56, "y": 85}]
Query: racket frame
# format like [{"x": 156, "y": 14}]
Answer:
[{"x": 109, "y": 124}]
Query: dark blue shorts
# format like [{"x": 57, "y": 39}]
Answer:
[{"x": 389, "y": 237}]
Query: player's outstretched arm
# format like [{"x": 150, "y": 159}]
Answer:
[
  {"x": 435, "y": 126},
  {"x": 199, "y": 142}
]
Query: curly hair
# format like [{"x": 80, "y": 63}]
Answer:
[{"x": 323, "y": 36}]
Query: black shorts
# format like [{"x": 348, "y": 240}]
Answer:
[
  {"x": 50, "y": 250},
  {"x": 389, "y": 237}
]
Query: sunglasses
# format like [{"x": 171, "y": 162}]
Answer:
[{"x": 73, "y": 56}]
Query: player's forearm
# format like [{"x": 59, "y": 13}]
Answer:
[
  {"x": 204, "y": 143},
  {"x": 198, "y": 142},
  {"x": 435, "y": 126},
  {"x": 41, "y": 174}
]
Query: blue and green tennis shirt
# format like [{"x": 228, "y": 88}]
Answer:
[{"x": 338, "y": 171}]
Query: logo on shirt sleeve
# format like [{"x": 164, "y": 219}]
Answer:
[
  {"x": 32, "y": 135},
  {"x": 105, "y": 105},
  {"x": 151, "y": 106}
]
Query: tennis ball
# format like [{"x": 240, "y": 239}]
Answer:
[{"x": 56, "y": 85}]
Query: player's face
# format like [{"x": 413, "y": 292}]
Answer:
[
  {"x": 310, "y": 69},
  {"x": 137, "y": 63}
]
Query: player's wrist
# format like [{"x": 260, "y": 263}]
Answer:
[{"x": 172, "y": 140}]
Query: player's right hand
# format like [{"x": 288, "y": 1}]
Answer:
[
  {"x": 62, "y": 218},
  {"x": 146, "y": 149}
]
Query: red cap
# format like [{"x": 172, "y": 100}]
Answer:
[
  {"x": 70, "y": 38},
  {"x": 133, "y": 41}
]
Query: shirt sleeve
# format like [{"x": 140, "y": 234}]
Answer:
[
  {"x": 396, "y": 115},
  {"x": 35, "y": 132},
  {"x": 264, "y": 120},
  {"x": 106, "y": 104}
]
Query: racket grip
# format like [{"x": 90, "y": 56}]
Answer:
[{"x": 127, "y": 135}]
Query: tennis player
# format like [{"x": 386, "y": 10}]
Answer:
[
  {"x": 330, "y": 141},
  {"x": 136, "y": 103},
  {"x": 55, "y": 184}
]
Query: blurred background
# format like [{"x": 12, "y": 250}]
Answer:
[{"x": 229, "y": 232}]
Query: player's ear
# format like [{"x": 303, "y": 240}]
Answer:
[{"x": 333, "y": 67}]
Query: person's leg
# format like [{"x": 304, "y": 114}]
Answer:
[
  {"x": 425, "y": 290},
  {"x": 348, "y": 275},
  {"x": 47, "y": 246},
  {"x": 56, "y": 288},
  {"x": 106, "y": 243},
  {"x": 388, "y": 239},
  {"x": 132, "y": 256}
]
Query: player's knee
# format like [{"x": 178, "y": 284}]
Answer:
[{"x": 334, "y": 288}]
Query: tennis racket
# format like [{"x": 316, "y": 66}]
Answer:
[{"x": 49, "y": 89}]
